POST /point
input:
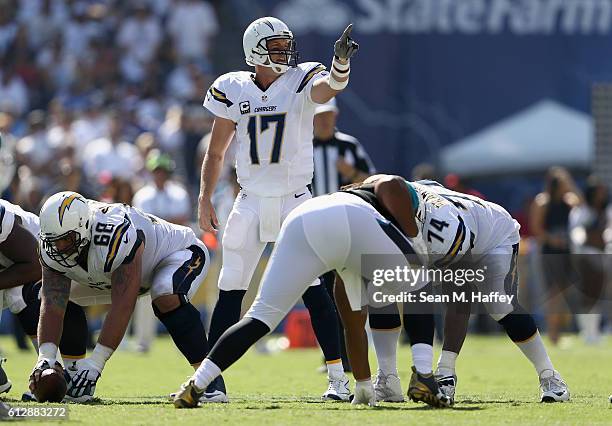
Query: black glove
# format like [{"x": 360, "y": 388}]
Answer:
[{"x": 345, "y": 47}]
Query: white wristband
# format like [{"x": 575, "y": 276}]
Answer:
[
  {"x": 47, "y": 351},
  {"x": 339, "y": 70},
  {"x": 337, "y": 85},
  {"x": 99, "y": 356}
]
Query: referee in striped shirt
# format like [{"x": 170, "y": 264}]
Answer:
[{"x": 339, "y": 159}]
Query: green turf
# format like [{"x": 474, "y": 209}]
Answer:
[{"x": 496, "y": 385}]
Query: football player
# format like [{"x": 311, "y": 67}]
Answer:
[
  {"x": 19, "y": 285},
  {"x": 453, "y": 227},
  {"x": 326, "y": 233},
  {"x": 113, "y": 253},
  {"x": 270, "y": 114}
]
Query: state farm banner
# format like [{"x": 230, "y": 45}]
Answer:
[{"x": 430, "y": 72}]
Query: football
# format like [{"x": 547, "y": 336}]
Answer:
[{"x": 51, "y": 387}]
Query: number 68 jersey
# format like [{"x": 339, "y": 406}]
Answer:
[
  {"x": 274, "y": 128},
  {"x": 117, "y": 231}
]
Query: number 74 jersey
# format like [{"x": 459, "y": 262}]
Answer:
[
  {"x": 454, "y": 224},
  {"x": 274, "y": 127}
]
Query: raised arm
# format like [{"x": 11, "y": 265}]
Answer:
[{"x": 326, "y": 88}]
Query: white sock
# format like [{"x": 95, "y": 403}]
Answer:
[
  {"x": 446, "y": 363},
  {"x": 335, "y": 369},
  {"x": 206, "y": 373},
  {"x": 534, "y": 350},
  {"x": 422, "y": 357},
  {"x": 385, "y": 344}
]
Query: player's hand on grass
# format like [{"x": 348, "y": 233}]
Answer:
[
  {"x": 207, "y": 218},
  {"x": 345, "y": 47},
  {"x": 82, "y": 385}
]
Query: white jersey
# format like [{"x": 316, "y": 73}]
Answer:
[
  {"x": 117, "y": 231},
  {"x": 274, "y": 129},
  {"x": 453, "y": 223},
  {"x": 8, "y": 212}
]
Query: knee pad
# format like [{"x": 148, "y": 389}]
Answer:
[
  {"x": 385, "y": 318},
  {"x": 519, "y": 325}
]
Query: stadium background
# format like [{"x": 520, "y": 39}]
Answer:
[{"x": 429, "y": 76}]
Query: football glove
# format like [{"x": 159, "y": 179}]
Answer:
[
  {"x": 345, "y": 47},
  {"x": 82, "y": 385},
  {"x": 41, "y": 366}
]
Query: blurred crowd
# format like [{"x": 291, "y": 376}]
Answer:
[{"x": 94, "y": 93}]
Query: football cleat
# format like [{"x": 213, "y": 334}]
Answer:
[
  {"x": 364, "y": 395},
  {"x": 423, "y": 387},
  {"x": 552, "y": 387},
  {"x": 388, "y": 388},
  {"x": 215, "y": 392},
  {"x": 188, "y": 395},
  {"x": 448, "y": 385},
  {"x": 338, "y": 389},
  {"x": 5, "y": 383}
]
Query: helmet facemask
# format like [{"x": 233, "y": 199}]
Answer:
[
  {"x": 71, "y": 246},
  {"x": 278, "y": 59}
]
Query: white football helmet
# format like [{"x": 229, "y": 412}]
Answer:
[
  {"x": 65, "y": 216},
  {"x": 255, "y": 44}
]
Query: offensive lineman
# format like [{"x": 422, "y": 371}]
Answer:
[
  {"x": 270, "y": 113},
  {"x": 113, "y": 253},
  {"x": 455, "y": 225},
  {"x": 330, "y": 232}
]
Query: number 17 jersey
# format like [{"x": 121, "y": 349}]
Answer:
[{"x": 274, "y": 128}]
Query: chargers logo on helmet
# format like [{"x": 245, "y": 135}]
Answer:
[
  {"x": 64, "y": 227},
  {"x": 256, "y": 48}
]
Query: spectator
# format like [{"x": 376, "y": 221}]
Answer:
[
  {"x": 8, "y": 27},
  {"x": 13, "y": 91},
  {"x": 162, "y": 196},
  {"x": 36, "y": 151},
  {"x": 192, "y": 23},
  {"x": 139, "y": 37},
  {"x": 549, "y": 223},
  {"x": 112, "y": 155},
  {"x": 588, "y": 223}
]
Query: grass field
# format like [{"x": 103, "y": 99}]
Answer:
[{"x": 496, "y": 385}]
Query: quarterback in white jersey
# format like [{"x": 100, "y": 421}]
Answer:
[
  {"x": 456, "y": 227},
  {"x": 113, "y": 253},
  {"x": 269, "y": 114}
]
